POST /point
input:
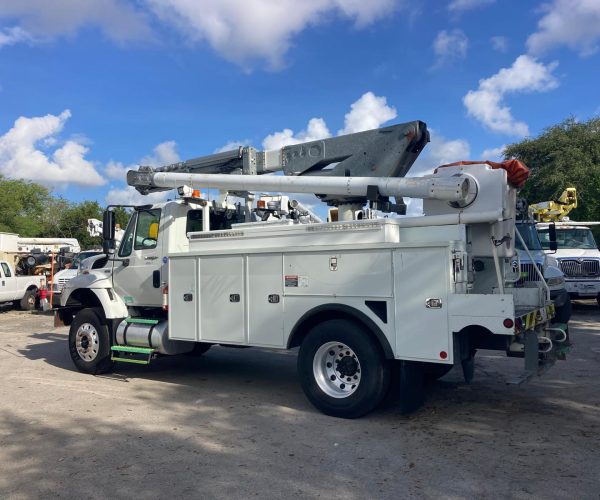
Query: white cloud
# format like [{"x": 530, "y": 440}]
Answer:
[
  {"x": 21, "y": 157},
  {"x": 14, "y": 35},
  {"x": 117, "y": 170},
  {"x": 449, "y": 47},
  {"x": 368, "y": 112},
  {"x": 129, "y": 196},
  {"x": 316, "y": 129},
  {"x": 462, "y": 5},
  {"x": 439, "y": 152},
  {"x": 250, "y": 30},
  {"x": 574, "y": 23},
  {"x": 120, "y": 20},
  {"x": 499, "y": 43},
  {"x": 244, "y": 32},
  {"x": 231, "y": 145},
  {"x": 494, "y": 154},
  {"x": 486, "y": 103},
  {"x": 163, "y": 154}
]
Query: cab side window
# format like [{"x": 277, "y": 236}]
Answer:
[
  {"x": 6, "y": 270},
  {"x": 146, "y": 231}
]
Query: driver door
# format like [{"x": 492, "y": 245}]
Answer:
[{"x": 136, "y": 274}]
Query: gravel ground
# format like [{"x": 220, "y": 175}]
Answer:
[{"x": 235, "y": 424}]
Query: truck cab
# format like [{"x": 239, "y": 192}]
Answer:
[{"x": 578, "y": 257}]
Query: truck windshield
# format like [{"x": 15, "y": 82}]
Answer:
[
  {"x": 529, "y": 235},
  {"x": 573, "y": 237},
  {"x": 82, "y": 256}
]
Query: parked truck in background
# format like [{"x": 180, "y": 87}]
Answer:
[
  {"x": 60, "y": 278},
  {"x": 578, "y": 256},
  {"x": 577, "y": 252},
  {"x": 20, "y": 290},
  {"x": 363, "y": 299}
]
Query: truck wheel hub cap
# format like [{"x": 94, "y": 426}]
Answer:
[
  {"x": 336, "y": 369},
  {"x": 86, "y": 342}
]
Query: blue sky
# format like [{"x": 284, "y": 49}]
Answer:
[{"x": 88, "y": 89}]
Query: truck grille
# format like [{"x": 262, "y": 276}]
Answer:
[
  {"x": 584, "y": 268},
  {"x": 528, "y": 273}
]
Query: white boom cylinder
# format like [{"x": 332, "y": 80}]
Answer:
[{"x": 453, "y": 188}]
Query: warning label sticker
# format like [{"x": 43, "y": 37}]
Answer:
[{"x": 291, "y": 280}]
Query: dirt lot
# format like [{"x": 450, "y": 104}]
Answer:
[{"x": 236, "y": 424}]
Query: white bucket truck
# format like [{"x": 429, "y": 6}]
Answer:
[
  {"x": 358, "y": 297},
  {"x": 578, "y": 256},
  {"x": 576, "y": 250}
]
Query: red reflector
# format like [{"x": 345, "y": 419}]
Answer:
[
  {"x": 508, "y": 323},
  {"x": 443, "y": 354},
  {"x": 165, "y": 298}
]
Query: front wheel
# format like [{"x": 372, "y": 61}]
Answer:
[
  {"x": 89, "y": 343},
  {"x": 343, "y": 370},
  {"x": 27, "y": 303}
]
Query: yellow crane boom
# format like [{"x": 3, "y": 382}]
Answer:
[{"x": 555, "y": 210}]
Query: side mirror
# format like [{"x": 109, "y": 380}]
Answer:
[
  {"x": 108, "y": 231},
  {"x": 552, "y": 236}
]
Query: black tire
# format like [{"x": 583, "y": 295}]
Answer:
[
  {"x": 362, "y": 357},
  {"x": 563, "y": 313},
  {"x": 89, "y": 342},
  {"x": 435, "y": 371},
  {"x": 27, "y": 303}
]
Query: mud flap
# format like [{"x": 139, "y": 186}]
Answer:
[{"x": 412, "y": 391}]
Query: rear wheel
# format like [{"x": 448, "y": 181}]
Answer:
[
  {"x": 27, "y": 303},
  {"x": 343, "y": 370},
  {"x": 89, "y": 342}
]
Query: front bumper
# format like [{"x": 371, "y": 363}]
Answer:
[{"x": 584, "y": 289}]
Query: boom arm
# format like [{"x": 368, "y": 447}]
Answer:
[{"x": 384, "y": 152}]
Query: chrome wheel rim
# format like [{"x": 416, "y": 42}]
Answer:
[
  {"x": 336, "y": 369},
  {"x": 87, "y": 342}
]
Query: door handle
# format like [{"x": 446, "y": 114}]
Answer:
[{"x": 125, "y": 262}]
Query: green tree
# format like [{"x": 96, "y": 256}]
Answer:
[
  {"x": 70, "y": 221},
  {"x": 564, "y": 155},
  {"x": 121, "y": 216},
  {"x": 22, "y": 206}
]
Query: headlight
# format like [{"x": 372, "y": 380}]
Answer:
[{"x": 559, "y": 280}]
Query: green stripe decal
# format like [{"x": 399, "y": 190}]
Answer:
[{"x": 142, "y": 321}]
